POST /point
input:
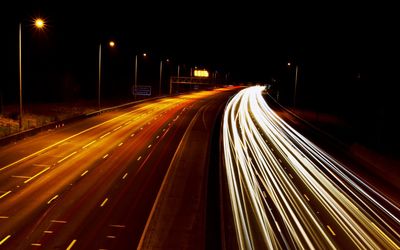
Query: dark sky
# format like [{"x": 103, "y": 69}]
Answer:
[
  {"x": 242, "y": 35},
  {"x": 250, "y": 40},
  {"x": 347, "y": 53}
]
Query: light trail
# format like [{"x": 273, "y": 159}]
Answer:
[{"x": 344, "y": 212}]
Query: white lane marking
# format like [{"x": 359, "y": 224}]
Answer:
[
  {"x": 4, "y": 239},
  {"x": 149, "y": 146},
  {"x": 139, "y": 158},
  {"x": 125, "y": 175},
  {"x": 59, "y": 221},
  {"x": 117, "y": 128},
  {"x": 66, "y": 157},
  {"x": 111, "y": 236},
  {"x": 71, "y": 244},
  {"x": 101, "y": 137},
  {"x": 90, "y": 143},
  {"x": 3, "y": 217},
  {"x": 132, "y": 135},
  {"x": 20, "y": 176},
  {"x": 54, "y": 197},
  {"x": 41, "y": 165},
  {"x": 84, "y": 172},
  {"x": 36, "y": 244},
  {"x": 48, "y": 232},
  {"x": 330, "y": 229},
  {"x": 105, "y": 156},
  {"x": 62, "y": 141},
  {"x": 1, "y": 196},
  {"x": 104, "y": 202},
  {"x": 118, "y": 226},
  {"x": 306, "y": 197},
  {"x": 120, "y": 144},
  {"x": 157, "y": 137},
  {"x": 36, "y": 175}
]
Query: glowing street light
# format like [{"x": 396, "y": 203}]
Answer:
[{"x": 40, "y": 24}]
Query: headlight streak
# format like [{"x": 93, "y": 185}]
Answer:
[
  {"x": 337, "y": 169},
  {"x": 284, "y": 218}
]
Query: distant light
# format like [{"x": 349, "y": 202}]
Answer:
[
  {"x": 39, "y": 23},
  {"x": 144, "y": 54},
  {"x": 201, "y": 73},
  {"x": 112, "y": 44},
  {"x": 288, "y": 64}
]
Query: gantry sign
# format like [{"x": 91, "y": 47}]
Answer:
[{"x": 192, "y": 80}]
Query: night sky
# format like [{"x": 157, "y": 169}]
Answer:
[{"x": 347, "y": 54}]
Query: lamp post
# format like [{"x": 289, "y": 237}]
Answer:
[
  {"x": 39, "y": 24},
  {"x": 111, "y": 44},
  {"x": 99, "y": 80},
  {"x": 136, "y": 73},
  {"x": 159, "y": 85},
  {"x": 135, "y": 83},
  {"x": 295, "y": 82},
  {"x": 161, "y": 69}
]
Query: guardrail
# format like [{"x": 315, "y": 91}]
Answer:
[{"x": 58, "y": 124}]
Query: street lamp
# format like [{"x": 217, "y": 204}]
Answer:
[
  {"x": 136, "y": 71},
  {"x": 39, "y": 24},
  {"x": 111, "y": 44},
  {"x": 161, "y": 67},
  {"x": 295, "y": 82}
]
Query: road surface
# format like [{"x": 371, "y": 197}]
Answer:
[{"x": 92, "y": 184}]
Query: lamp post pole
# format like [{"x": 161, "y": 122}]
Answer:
[
  {"x": 135, "y": 85},
  {"x": 296, "y": 73},
  {"x": 295, "y": 85},
  {"x": 159, "y": 86},
  {"x": 20, "y": 74},
  {"x": 99, "y": 82},
  {"x": 39, "y": 24},
  {"x": 110, "y": 44}
]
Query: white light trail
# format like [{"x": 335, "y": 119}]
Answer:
[{"x": 287, "y": 168}]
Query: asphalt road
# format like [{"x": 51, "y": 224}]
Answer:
[
  {"x": 93, "y": 183},
  {"x": 285, "y": 192}
]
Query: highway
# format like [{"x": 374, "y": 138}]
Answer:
[
  {"x": 287, "y": 193},
  {"x": 93, "y": 183}
]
